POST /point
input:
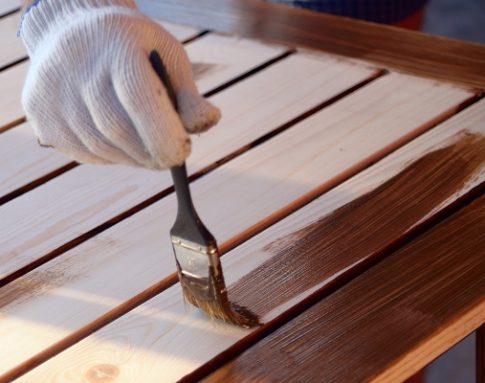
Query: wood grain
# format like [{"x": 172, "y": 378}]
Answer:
[
  {"x": 87, "y": 196},
  {"x": 389, "y": 322},
  {"x": 341, "y": 140},
  {"x": 393, "y": 48},
  {"x": 11, "y": 48},
  {"x": 222, "y": 58},
  {"x": 246, "y": 191},
  {"x": 163, "y": 341}
]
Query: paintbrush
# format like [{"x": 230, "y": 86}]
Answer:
[{"x": 196, "y": 251}]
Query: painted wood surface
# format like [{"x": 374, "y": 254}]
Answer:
[
  {"x": 361, "y": 219},
  {"x": 393, "y": 48},
  {"x": 92, "y": 277},
  {"x": 7, "y": 6},
  {"x": 87, "y": 196},
  {"x": 11, "y": 47},
  {"x": 388, "y": 323},
  {"x": 212, "y": 70},
  {"x": 11, "y": 83}
]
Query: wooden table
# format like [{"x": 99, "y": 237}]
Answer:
[{"x": 344, "y": 184}]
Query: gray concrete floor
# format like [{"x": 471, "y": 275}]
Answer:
[{"x": 464, "y": 20}]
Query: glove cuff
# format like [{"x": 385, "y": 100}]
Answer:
[{"x": 45, "y": 17}]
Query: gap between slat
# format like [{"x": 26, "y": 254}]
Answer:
[
  {"x": 168, "y": 281},
  {"x": 21, "y": 120},
  {"x": 270, "y": 326},
  {"x": 63, "y": 169},
  {"x": 193, "y": 177},
  {"x": 9, "y": 13},
  {"x": 344, "y": 279},
  {"x": 458, "y": 211}
]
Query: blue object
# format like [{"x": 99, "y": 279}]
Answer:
[{"x": 380, "y": 11}]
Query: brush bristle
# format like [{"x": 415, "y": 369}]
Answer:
[{"x": 224, "y": 310}]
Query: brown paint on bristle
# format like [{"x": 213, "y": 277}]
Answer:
[
  {"x": 363, "y": 229},
  {"x": 222, "y": 309}
]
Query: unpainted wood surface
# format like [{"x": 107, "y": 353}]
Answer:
[
  {"x": 7, "y": 6},
  {"x": 389, "y": 322},
  {"x": 247, "y": 189},
  {"x": 11, "y": 82},
  {"x": 87, "y": 196},
  {"x": 162, "y": 340},
  {"x": 323, "y": 77},
  {"x": 23, "y": 160},
  {"x": 225, "y": 59},
  {"x": 12, "y": 79},
  {"x": 240, "y": 55},
  {"x": 11, "y": 47},
  {"x": 393, "y": 48},
  {"x": 217, "y": 58}
]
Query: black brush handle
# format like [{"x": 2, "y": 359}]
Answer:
[{"x": 187, "y": 225}]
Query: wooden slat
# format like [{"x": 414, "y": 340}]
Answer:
[
  {"x": 22, "y": 159},
  {"x": 263, "y": 183},
  {"x": 11, "y": 48},
  {"x": 11, "y": 82},
  {"x": 239, "y": 55},
  {"x": 394, "y": 48},
  {"x": 12, "y": 79},
  {"x": 220, "y": 57},
  {"x": 308, "y": 252},
  {"x": 217, "y": 58},
  {"x": 7, "y": 6},
  {"x": 390, "y": 322},
  {"x": 87, "y": 196}
]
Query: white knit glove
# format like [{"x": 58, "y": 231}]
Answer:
[{"x": 91, "y": 91}]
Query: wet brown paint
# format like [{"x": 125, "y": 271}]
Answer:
[
  {"x": 360, "y": 229},
  {"x": 26, "y": 289},
  {"x": 388, "y": 322}
]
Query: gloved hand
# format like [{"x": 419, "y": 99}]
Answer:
[{"x": 92, "y": 93}]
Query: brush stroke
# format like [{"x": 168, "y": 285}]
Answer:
[
  {"x": 389, "y": 322},
  {"x": 312, "y": 254}
]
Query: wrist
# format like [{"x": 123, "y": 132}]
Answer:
[{"x": 46, "y": 17}]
